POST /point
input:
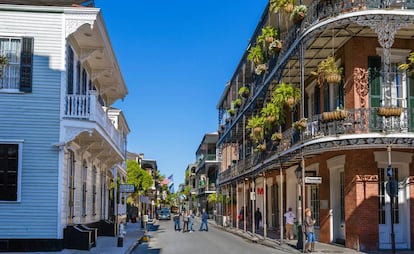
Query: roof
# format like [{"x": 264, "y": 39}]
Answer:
[{"x": 89, "y": 3}]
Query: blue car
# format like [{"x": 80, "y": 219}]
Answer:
[{"x": 164, "y": 214}]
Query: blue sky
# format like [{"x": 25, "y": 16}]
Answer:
[{"x": 176, "y": 57}]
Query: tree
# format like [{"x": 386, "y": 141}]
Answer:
[{"x": 138, "y": 177}]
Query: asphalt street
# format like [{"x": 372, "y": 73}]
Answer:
[{"x": 167, "y": 241}]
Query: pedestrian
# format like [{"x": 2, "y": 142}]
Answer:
[
  {"x": 257, "y": 218},
  {"x": 204, "y": 217},
  {"x": 290, "y": 220},
  {"x": 241, "y": 214},
  {"x": 191, "y": 220},
  {"x": 185, "y": 222},
  {"x": 177, "y": 222},
  {"x": 309, "y": 223}
]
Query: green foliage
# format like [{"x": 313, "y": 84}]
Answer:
[
  {"x": 4, "y": 60},
  {"x": 137, "y": 176},
  {"x": 409, "y": 65},
  {"x": 244, "y": 91},
  {"x": 326, "y": 67},
  {"x": 255, "y": 121},
  {"x": 231, "y": 112},
  {"x": 268, "y": 35},
  {"x": 298, "y": 13},
  {"x": 237, "y": 103},
  {"x": 284, "y": 92},
  {"x": 276, "y": 5},
  {"x": 256, "y": 55}
]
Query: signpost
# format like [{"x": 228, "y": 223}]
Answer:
[
  {"x": 128, "y": 188},
  {"x": 313, "y": 179}
]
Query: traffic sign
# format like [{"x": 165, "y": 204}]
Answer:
[{"x": 313, "y": 179}]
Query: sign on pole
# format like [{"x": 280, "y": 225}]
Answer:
[
  {"x": 313, "y": 179},
  {"x": 129, "y": 188}
]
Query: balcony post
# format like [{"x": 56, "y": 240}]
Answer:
[{"x": 92, "y": 105}]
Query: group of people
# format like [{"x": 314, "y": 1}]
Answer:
[
  {"x": 188, "y": 221},
  {"x": 308, "y": 230}
]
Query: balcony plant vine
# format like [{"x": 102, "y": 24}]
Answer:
[{"x": 328, "y": 71}]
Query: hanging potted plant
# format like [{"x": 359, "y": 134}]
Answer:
[
  {"x": 3, "y": 62},
  {"x": 276, "y": 137},
  {"x": 237, "y": 103},
  {"x": 256, "y": 124},
  {"x": 286, "y": 94},
  {"x": 260, "y": 69},
  {"x": 275, "y": 47},
  {"x": 268, "y": 35},
  {"x": 271, "y": 113},
  {"x": 261, "y": 148},
  {"x": 256, "y": 55},
  {"x": 328, "y": 71},
  {"x": 298, "y": 14},
  {"x": 287, "y": 5},
  {"x": 244, "y": 91},
  {"x": 300, "y": 125},
  {"x": 231, "y": 112}
]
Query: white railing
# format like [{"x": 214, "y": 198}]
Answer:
[{"x": 86, "y": 107}]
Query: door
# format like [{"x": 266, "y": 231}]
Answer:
[
  {"x": 337, "y": 178},
  {"x": 401, "y": 220}
]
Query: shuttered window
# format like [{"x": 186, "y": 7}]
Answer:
[{"x": 17, "y": 73}]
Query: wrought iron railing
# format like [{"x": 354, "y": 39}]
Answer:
[{"x": 355, "y": 121}]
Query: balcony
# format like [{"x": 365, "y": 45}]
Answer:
[
  {"x": 87, "y": 108},
  {"x": 355, "y": 125}
]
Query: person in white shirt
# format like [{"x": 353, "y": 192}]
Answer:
[{"x": 290, "y": 219}]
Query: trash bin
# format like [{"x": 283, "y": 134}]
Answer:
[{"x": 120, "y": 241}]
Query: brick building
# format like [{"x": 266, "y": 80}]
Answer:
[{"x": 344, "y": 146}]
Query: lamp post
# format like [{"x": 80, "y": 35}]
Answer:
[{"x": 298, "y": 174}]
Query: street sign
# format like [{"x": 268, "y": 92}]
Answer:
[
  {"x": 129, "y": 188},
  {"x": 392, "y": 188},
  {"x": 313, "y": 179},
  {"x": 389, "y": 171}
]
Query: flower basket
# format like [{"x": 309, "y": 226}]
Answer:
[
  {"x": 300, "y": 125},
  {"x": 333, "y": 78},
  {"x": 389, "y": 111},
  {"x": 288, "y": 8},
  {"x": 297, "y": 18}
]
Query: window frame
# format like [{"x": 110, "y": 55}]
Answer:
[{"x": 19, "y": 143}]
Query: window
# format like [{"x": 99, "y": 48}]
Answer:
[
  {"x": 84, "y": 190},
  {"x": 9, "y": 171},
  {"x": 94, "y": 179},
  {"x": 17, "y": 74}
]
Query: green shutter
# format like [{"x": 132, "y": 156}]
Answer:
[
  {"x": 374, "y": 74},
  {"x": 26, "y": 65}
]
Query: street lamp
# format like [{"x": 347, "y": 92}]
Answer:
[{"x": 298, "y": 174}]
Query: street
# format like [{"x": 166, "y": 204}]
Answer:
[{"x": 167, "y": 241}]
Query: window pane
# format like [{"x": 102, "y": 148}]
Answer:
[
  {"x": 8, "y": 172},
  {"x": 10, "y": 47}
]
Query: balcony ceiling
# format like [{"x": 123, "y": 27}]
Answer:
[
  {"x": 329, "y": 41},
  {"x": 97, "y": 55}
]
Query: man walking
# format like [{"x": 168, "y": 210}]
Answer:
[
  {"x": 204, "y": 217},
  {"x": 290, "y": 220}
]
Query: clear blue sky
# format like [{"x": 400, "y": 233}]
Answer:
[{"x": 176, "y": 58}]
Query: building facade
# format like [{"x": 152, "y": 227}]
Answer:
[
  {"x": 342, "y": 146},
  {"x": 63, "y": 146}
]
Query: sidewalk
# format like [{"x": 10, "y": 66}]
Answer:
[
  {"x": 289, "y": 246},
  {"x": 108, "y": 244}
]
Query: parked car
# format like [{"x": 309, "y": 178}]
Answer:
[{"x": 164, "y": 214}]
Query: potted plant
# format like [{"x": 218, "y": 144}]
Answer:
[
  {"x": 268, "y": 35},
  {"x": 287, "y": 5},
  {"x": 276, "y": 137},
  {"x": 237, "y": 103},
  {"x": 231, "y": 112},
  {"x": 244, "y": 91},
  {"x": 301, "y": 124},
  {"x": 271, "y": 113},
  {"x": 260, "y": 69},
  {"x": 389, "y": 111},
  {"x": 328, "y": 71},
  {"x": 409, "y": 64},
  {"x": 256, "y": 124},
  {"x": 298, "y": 13},
  {"x": 3, "y": 62},
  {"x": 286, "y": 94},
  {"x": 256, "y": 55},
  {"x": 337, "y": 115},
  {"x": 261, "y": 148},
  {"x": 275, "y": 46}
]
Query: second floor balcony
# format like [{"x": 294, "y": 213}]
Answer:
[{"x": 87, "y": 108}]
